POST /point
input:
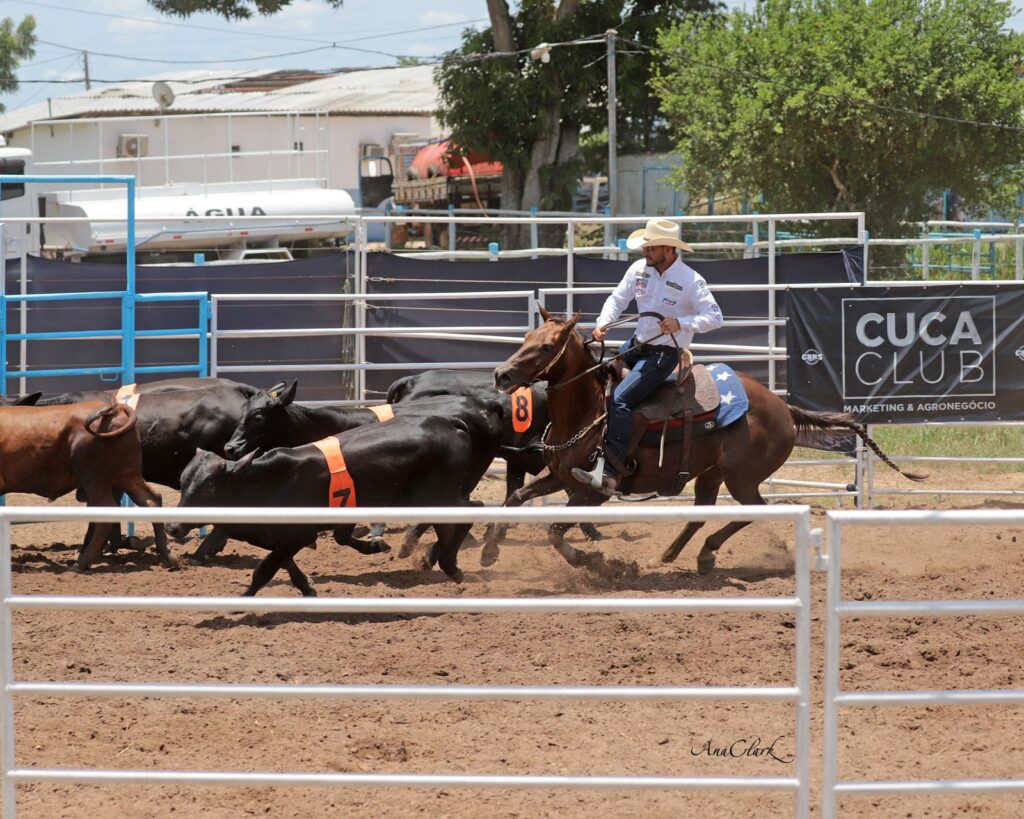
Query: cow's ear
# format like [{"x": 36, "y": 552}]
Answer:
[
  {"x": 288, "y": 395},
  {"x": 214, "y": 461},
  {"x": 242, "y": 462},
  {"x": 276, "y": 389}
]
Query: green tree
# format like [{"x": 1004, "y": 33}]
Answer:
[
  {"x": 530, "y": 115},
  {"x": 230, "y": 9},
  {"x": 16, "y": 44},
  {"x": 833, "y": 105}
]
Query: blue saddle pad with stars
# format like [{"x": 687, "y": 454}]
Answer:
[{"x": 734, "y": 402}]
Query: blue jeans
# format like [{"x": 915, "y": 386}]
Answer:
[{"x": 649, "y": 367}]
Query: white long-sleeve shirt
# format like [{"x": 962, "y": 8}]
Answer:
[{"x": 680, "y": 293}]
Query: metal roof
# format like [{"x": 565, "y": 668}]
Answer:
[{"x": 400, "y": 90}]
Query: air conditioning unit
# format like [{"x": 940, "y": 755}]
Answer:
[{"x": 131, "y": 146}]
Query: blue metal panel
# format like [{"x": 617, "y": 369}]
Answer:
[{"x": 128, "y": 297}]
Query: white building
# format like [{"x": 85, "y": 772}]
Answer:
[{"x": 230, "y": 126}]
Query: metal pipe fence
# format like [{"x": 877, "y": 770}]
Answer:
[
  {"x": 797, "y": 605},
  {"x": 838, "y": 607}
]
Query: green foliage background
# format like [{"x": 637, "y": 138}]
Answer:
[{"x": 808, "y": 101}]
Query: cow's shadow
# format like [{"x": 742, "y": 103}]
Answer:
[
  {"x": 271, "y": 621},
  {"x": 59, "y": 558}
]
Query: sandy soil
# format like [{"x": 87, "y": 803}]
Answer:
[{"x": 513, "y": 737}]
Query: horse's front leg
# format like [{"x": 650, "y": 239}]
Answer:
[
  {"x": 544, "y": 485},
  {"x": 556, "y": 532}
]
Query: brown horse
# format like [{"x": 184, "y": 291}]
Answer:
[{"x": 741, "y": 455}]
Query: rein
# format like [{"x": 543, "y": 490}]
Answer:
[{"x": 602, "y": 361}]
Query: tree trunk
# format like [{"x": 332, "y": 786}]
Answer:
[
  {"x": 501, "y": 25},
  {"x": 521, "y": 191}
]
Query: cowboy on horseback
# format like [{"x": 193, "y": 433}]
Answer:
[{"x": 661, "y": 284}]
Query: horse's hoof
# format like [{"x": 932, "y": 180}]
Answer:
[
  {"x": 489, "y": 556},
  {"x": 171, "y": 563},
  {"x": 705, "y": 563},
  {"x": 380, "y": 546},
  {"x": 591, "y": 532},
  {"x": 457, "y": 576}
]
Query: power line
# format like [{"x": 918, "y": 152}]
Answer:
[
  {"x": 74, "y": 59},
  {"x": 236, "y": 31},
  {"x": 189, "y": 62},
  {"x": 340, "y": 44}
]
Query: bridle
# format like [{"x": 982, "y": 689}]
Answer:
[{"x": 539, "y": 376}]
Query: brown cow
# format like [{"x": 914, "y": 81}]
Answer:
[{"x": 93, "y": 447}]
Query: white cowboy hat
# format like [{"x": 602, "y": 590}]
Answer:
[{"x": 657, "y": 232}]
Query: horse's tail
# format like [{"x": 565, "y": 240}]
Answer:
[{"x": 807, "y": 419}]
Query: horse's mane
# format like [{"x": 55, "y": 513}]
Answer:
[{"x": 602, "y": 373}]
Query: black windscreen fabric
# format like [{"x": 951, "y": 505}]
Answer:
[
  {"x": 392, "y": 274},
  {"x": 334, "y": 274},
  {"x": 329, "y": 274}
]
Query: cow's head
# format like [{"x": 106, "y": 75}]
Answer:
[
  {"x": 204, "y": 482},
  {"x": 261, "y": 418}
]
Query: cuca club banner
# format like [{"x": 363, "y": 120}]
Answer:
[{"x": 908, "y": 354}]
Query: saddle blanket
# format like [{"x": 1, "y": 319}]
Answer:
[{"x": 733, "y": 405}]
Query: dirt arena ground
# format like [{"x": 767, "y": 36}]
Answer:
[{"x": 511, "y": 737}]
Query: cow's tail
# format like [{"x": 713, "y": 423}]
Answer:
[
  {"x": 99, "y": 423},
  {"x": 807, "y": 419},
  {"x": 398, "y": 390}
]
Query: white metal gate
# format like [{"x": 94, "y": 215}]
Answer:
[
  {"x": 837, "y": 607},
  {"x": 797, "y": 605}
]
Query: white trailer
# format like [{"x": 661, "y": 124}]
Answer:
[{"x": 227, "y": 221}]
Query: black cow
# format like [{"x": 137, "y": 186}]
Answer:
[
  {"x": 521, "y": 450},
  {"x": 427, "y": 461},
  {"x": 270, "y": 420},
  {"x": 163, "y": 385}
]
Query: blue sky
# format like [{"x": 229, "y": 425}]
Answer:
[{"x": 309, "y": 34}]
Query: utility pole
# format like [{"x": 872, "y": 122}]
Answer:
[
  {"x": 85, "y": 64},
  {"x": 613, "y": 185}
]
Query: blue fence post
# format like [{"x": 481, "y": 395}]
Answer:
[
  {"x": 623, "y": 249},
  {"x": 534, "y": 240},
  {"x": 3, "y": 335},
  {"x": 748, "y": 240},
  {"x": 204, "y": 341},
  {"x": 493, "y": 248}
]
